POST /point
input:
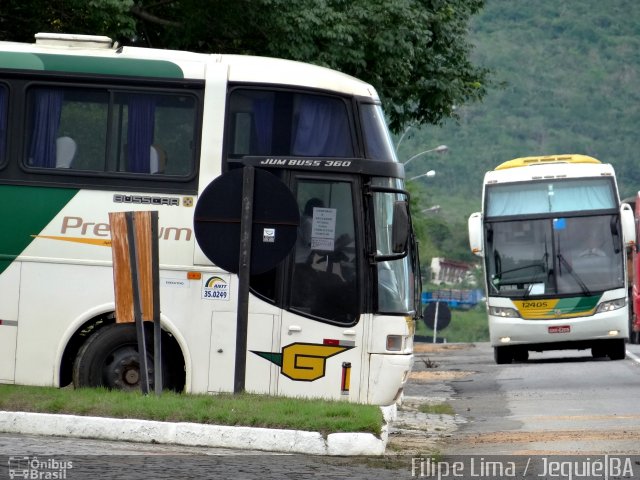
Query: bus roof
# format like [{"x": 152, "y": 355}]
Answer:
[
  {"x": 550, "y": 167},
  {"x": 545, "y": 160},
  {"x": 98, "y": 55}
]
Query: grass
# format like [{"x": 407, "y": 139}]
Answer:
[
  {"x": 245, "y": 409},
  {"x": 437, "y": 409},
  {"x": 465, "y": 326}
]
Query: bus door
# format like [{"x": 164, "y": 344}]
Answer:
[{"x": 321, "y": 336}]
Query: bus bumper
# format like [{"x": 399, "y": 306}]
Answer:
[
  {"x": 518, "y": 331},
  {"x": 388, "y": 375}
]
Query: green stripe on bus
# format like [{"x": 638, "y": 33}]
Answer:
[
  {"x": 577, "y": 304},
  {"x": 129, "y": 67},
  {"x": 20, "y": 61},
  {"x": 26, "y": 212}
]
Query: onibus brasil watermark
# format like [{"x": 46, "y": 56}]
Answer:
[
  {"x": 38, "y": 468},
  {"x": 603, "y": 467}
]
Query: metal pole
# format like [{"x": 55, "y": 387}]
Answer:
[
  {"x": 157, "y": 328},
  {"x": 137, "y": 310},
  {"x": 244, "y": 271},
  {"x": 435, "y": 323}
]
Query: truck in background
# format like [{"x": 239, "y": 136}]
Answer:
[{"x": 633, "y": 260}]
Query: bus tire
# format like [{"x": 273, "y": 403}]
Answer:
[
  {"x": 503, "y": 355},
  {"x": 598, "y": 350},
  {"x": 110, "y": 359},
  {"x": 616, "y": 349},
  {"x": 521, "y": 354}
]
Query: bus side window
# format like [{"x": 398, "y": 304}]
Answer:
[
  {"x": 288, "y": 123},
  {"x": 4, "y": 104},
  {"x": 154, "y": 133},
  {"x": 67, "y": 128}
]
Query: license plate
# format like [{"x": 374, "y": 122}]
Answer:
[{"x": 560, "y": 329}]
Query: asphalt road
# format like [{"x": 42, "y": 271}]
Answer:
[{"x": 556, "y": 403}]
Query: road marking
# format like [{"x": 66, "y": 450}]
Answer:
[{"x": 635, "y": 358}]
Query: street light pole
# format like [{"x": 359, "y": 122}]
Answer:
[
  {"x": 440, "y": 148},
  {"x": 430, "y": 173},
  {"x": 406, "y": 130}
]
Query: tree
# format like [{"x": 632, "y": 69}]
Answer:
[{"x": 414, "y": 52}]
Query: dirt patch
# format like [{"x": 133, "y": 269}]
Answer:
[
  {"x": 556, "y": 442},
  {"x": 437, "y": 375},
  {"x": 550, "y": 436},
  {"x": 439, "y": 347}
]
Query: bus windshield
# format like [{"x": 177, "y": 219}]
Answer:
[{"x": 579, "y": 255}]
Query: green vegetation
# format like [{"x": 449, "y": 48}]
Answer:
[
  {"x": 224, "y": 409},
  {"x": 437, "y": 409},
  {"x": 466, "y": 326},
  {"x": 568, "y": 73},
  {"x": 418, "y": 60}
]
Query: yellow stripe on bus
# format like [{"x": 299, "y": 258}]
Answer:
[
  {"x": 88, "y": 241},
  {"x": 525, "y": 161}
]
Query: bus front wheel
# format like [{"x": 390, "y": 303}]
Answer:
[
  {"x": 616, "y": 349},
  {"x": 503, "y": 355},
  {"x": 110, "y": 359}
]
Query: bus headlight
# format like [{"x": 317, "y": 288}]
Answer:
[
  {"x": 611, "y": 305},
  {"x": 504, "y": 312}
]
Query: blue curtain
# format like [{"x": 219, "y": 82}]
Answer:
[
  {"x": 375, "y": 133},
  {"x": 263, "y": 126},
  {"x": 3, "y": 122},
  {"x": 322, "y": 128},
  {"x": 46, "y": 121},
  {"x": 141, "y": 125}
]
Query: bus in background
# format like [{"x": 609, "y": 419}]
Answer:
[
  {"x": 88, "y": 127},
  {"x": 553, "y": 235},
  {"x": 633, "y": 258}
]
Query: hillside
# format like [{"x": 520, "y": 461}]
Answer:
[{"x": 569, "y": 74}]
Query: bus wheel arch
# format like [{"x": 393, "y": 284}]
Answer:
[
  {"x": 89, "y": 358},
  {"x": 76, "y": 340}
]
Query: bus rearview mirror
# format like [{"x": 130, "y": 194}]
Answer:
[
  {"x": 475, "y": 234},
  {"x": 400, "y": 226}
]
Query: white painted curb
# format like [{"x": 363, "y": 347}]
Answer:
[{"x": 195, "y": 434}]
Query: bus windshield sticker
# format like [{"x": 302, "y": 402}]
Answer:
[
  {"x": 323, "y": 231},
  {"x": 269, "y": 235},
  {"x": 559, "y": 223}
]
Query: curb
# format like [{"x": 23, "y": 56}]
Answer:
[{"x": 198, "y": 435}]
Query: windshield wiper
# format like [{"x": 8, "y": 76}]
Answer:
[
  {"x": 539, "y": 265},
  {"x": 576, "y": 277},
  {"x": 497, "y": 277}
]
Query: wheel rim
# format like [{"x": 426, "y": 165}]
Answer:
[{"x": 121, "y": 369}]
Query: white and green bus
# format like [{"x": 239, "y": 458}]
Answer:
[
  {"x": 553, "y": 234},
  {"x": 88, "y": 128}
]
